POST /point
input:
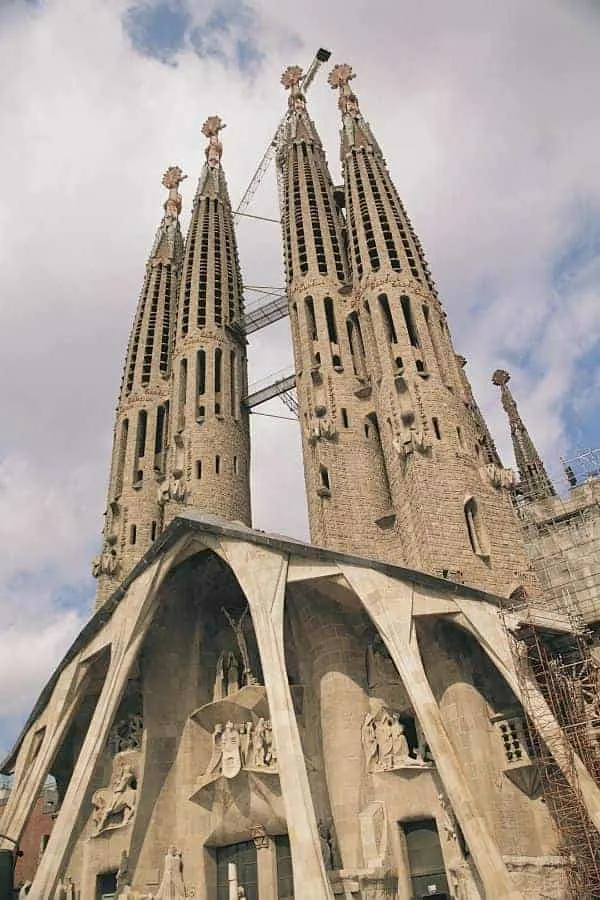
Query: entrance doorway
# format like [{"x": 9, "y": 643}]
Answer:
[
  {"x": 106, "y": 886},
  {"x": 244, "y": 857},
  {"x": 426, "y": 863}
]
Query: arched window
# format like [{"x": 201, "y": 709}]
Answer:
[{"x": 475, "y": 528}]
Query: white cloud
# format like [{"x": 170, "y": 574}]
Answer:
[{"x": 486, "y": 115}]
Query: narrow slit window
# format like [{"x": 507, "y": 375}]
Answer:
[
  {"x": 436, "y": 428},
  {"x": 121, "y": 458},
  {"x": 217, "y": 464},
  {"x": 357, "y": 347},
  {"x": 388, "y": 319},
  {"x": 235, "y": 465},
  {"x": 140, "y": 445},
  {"x": 201, "y": 372},
  {"x": 132, "y": 534},
  {"x": 233, "y": 385},
  {"x": 411, "y": 328},
  {"x": 160, "y": 438},
  {"x": 345, "y": 422},
  {"x": 459, "y": 436},
  {"x": 153, "y": 531},
  {"x": 218, "y": 369},
  {"x": 330, "y": 317},
  {"x": 198, "y": 469},
  {"x": 182, "y": 394},
  {"x": 311, "y": 321},
  {"x": 324, "y": 474},
  {"x": 475, "y": 529}
]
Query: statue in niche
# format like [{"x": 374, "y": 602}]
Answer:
[
  {"x": 171, "y": 886},
  {"x": 400, "y": 754},
  {"x": 105, "y": 564},
  {"x": 230, "y": 745},
  {"x": 240, "y": 637},
  {"x": 385, "y": 744},
  {"x": 177, "y": 488},
  {"x": 115, "y": 806},
  {"x": 219, "y": 691},
  {"x": 233, "y": 675},
  {"x": 127, "y": 734}
]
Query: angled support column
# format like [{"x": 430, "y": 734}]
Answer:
[
  {"x": 389, "y": 605},
  {"x": 262, "y": 576},
  {"x": 487, "y": 627},
  {"x": 29, "y": 781},
  {"x": 135, "y": 611}
]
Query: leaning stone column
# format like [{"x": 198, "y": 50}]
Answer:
[
  {"x": 262, "y": 576},
  {"x": 389, "y": 604}
]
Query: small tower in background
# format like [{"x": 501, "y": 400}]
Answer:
[
  {"x": 534, "y": 482},
  {"x": 209, "y": 454},
  {"x": 134, "y": 515}
]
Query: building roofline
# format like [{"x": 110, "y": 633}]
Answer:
[{"x": 195, "y": 521}]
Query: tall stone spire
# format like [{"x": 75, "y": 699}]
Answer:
[
  {"x": 534, "y": 483},
  {"x": 134, "y": 516},
  {"x": 346, "y": 489},
  {"x": 209, "y": 455},
  {"x": 450, "y": 512}
]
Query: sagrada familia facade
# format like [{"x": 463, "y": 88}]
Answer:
[{"x": 250, "y": 716}]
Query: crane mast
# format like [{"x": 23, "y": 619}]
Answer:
[{"x": 321, "y": 56}]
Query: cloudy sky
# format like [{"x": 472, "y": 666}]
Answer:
[{"x": 488, "y": 115}]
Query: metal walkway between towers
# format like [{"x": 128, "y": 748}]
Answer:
[
  {"x": 266, "y": 314},
  {"x": 275, "y": 389}
]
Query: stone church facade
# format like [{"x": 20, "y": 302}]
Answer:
[{"x": 250, "y": 716}]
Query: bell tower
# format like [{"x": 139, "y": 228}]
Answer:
[
  {"x": 134, "y": 516},
  {"x": 347, "y": 491},
  {"x": 452, "y": 513},
  {"x": 209, "y": 454}
]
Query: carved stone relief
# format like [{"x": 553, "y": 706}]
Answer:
[
  {"x": 114, "y": 806},
  {"x": 385, "y": 744},
  {"x": 127, "y": 734},
  {"x": 497, "y": 476},
  {"x": 241, "y": 745}
]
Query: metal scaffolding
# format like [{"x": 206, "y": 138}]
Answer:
[
  {"x": 562, "y": 536},
  {"x": 561, "y": 667}
]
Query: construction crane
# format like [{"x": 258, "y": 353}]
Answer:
[{"x": 321, "y": 56}]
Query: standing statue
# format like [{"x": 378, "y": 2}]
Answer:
[
  {"x": 217, "y": 752},
  {"x": 399, "y": 743},
  {"x": 219, "y": 689},
  {"x": 172, "y": 886},
  {"x": 385, "y": 742},
  {"x": 240, "y": 637},
  {"x": 233, "y": 675},
  {"x": 247, "y": 743},
  {"x": 259, "y": 744},
  {"x": 370, "y": 744}
]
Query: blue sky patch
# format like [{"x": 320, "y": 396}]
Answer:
[{"x": 157, "y": 29}]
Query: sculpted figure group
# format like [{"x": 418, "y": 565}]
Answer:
[
  {"x": 385, "y": 744},
  {"x": 243, "y": 745}
]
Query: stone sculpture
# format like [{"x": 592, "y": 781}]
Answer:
[
  {"x": 385, "y": 744},
  {"x": 214, "y": 148},
  {"x": 127, "y": 734},
  {"x": 171, "y": 886},
  {"x": 115, "y": 806},
  {"x": 242, "y": 745},
  {"x": 238, "y": 630}
]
